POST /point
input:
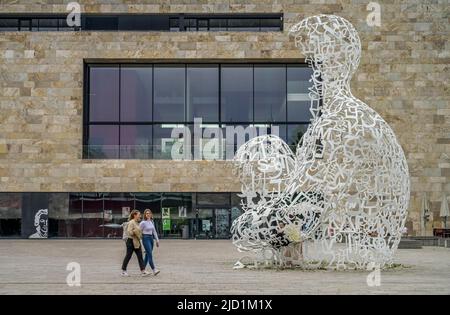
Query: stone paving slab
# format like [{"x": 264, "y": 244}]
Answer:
[{"x": 200, "y": 267}]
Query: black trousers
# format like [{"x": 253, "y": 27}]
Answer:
[{"x": 130, "y": 250}]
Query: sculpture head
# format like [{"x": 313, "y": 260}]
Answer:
[
  {"x": 40, "y": 222},
  {"x": 331, "y": 44}
]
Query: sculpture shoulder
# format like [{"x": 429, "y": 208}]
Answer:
[{"x": 351, "y": 110}]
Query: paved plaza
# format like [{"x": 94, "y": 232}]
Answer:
[{"x": 200, "y": 267}]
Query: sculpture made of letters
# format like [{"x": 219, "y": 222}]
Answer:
[{"x": 345, "y": 192}]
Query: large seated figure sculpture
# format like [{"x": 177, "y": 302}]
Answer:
[{"x": 345, "y": 191}]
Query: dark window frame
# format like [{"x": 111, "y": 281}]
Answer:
[
  {"x": 186, "y": 121},
  {"x": 155, "y": 22}
]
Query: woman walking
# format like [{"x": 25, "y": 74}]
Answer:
[
  {"x": 149, "y": 236},
  {"x": 133, "y": 243}
]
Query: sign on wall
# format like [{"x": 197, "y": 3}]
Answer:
[
  {"x": 165, "y": 214},
  {"x": 35, "y": 215}
]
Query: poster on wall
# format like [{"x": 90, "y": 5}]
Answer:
[
  {"x": 125, "y": 212},
  {"x": 206, "y": 225},
  {"x": 35, "y": 215},
  {"x": 182, "y": 212},
  {"x": 165, "y": 214}
]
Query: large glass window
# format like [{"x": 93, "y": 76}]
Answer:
[
  {"x": 203, "y": 92},
  {"x": 93, "y": 215},
  {"x": 104, "y": 93},
  {"x": 65, "y": 215},
  {"x": 169, "y": 90},
  {"x": 178, "y": 219},
  {"x": 270, "y": 93},
  {"x": 251, "y": 22},
  {"x": 103, "y": 142},
  {"x": 136, "y": 141},
  {"x": 116, "y": 208},
  {"x": 167, "y": 146},
  {"x": 237, "y": 93},
  {"x": 150, "y": 201},
  {"x": 298, "y": 101},
  {"x": 10, "y": 214},
  {"x": 136, "y": 111},
  {"x": 136, "y": 93},
  {"x": 101, "y": 215},
  {"x": 295, "y": 135}
]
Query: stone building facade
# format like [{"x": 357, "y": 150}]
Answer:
[{"x": 403, "y": 75}]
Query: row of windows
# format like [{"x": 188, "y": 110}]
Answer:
[
  {"x": 156, "y": 141},
  {"x": 145, "y": 22},
  {"x": 98, "y": 215},
  {"x": 227, "y": 93},
  {"x": 131, "y": 110}
]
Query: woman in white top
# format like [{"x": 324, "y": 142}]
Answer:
[{"x": 149, "y": 235}]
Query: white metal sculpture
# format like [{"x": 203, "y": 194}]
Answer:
[{"x": 345, "y": 192}]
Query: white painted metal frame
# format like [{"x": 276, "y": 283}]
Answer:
[{"x": 344, "y": 195}]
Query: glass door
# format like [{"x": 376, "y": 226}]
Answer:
[
  {"x": 222, "y": 223},
  {"x": 205, "y": 226},
  {"x": 213, "y": 223}
]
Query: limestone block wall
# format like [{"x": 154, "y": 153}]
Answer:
[{"x": 404, "y": 75}]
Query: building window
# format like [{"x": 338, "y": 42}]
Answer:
[
  {"x": 298, "y": 101},
  {"x": 203, "y": 92},
  {"x": 136, "y": 142},
  {"x": 101, "y": 215},
  {"x": 10, "y": 214},
  {"x": 169, "y": 91},
  {"x": 270, "y": 93},
  {"x": 104, "y": 94},
  {"x": 270, "y": 22},
  {"x": 136, "y": 99},
  {"x": 237, "y": 93},
  {"x": 147, "y": 111},
  {"x": 103, "y": 142}
]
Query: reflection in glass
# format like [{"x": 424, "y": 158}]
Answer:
[
  {"x": 213, "y": 199},
  {"x": 164, "y": 145},
  {"x": 298, "y": 101},
  {"x": 103, "y": 142},
  {"x": 222, "y": 223},
  {"x": 65, "y": 215},
  {"x": 244, "y": 24},
  {"x": 136, "y": 142},
  {"x": 205, "y": 223},
  {"x": 117, "y": 207},
  {"x": 203, "y": 92},
  {"x": 236, "y": 136},
  {"x": 10, "y": 214},
  {"x": 217, "y": 24},
  {"x": 93, "y": 215},
  {"x": 295, "y": 134},
  {"x": 169, "y": 93},
  {"x": 178, "y": 219},
  {"x": 209, "y": 145},
  {"x": 270, "y": 93},
  {"x": 236, "y": 206},
  {"x": 104, "y": 93},
  {"x": 237, "y": 93},
  {"x": 136, "y": 93}
]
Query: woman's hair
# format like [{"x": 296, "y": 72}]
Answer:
[
  {"x": 148, "y": 211},
  {"x": 133, "y": 213}
]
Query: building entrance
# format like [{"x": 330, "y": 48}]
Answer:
[{"x": 213, "y": 223}]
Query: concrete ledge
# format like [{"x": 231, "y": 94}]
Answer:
[
  {"x": 425, "y": 240},
  {"x": 406, "y": 243}
]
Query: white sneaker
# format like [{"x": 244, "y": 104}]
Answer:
[
  {"x": 145, "y": 273},
  {"x": 124, "y": 274},
  {"x": 155, "y": 272}
]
